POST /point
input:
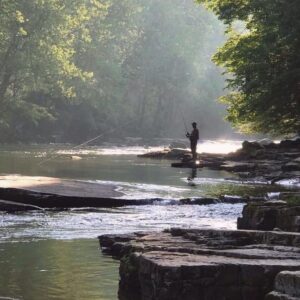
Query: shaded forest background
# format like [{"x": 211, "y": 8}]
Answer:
[{"x": 72, "y": 69}]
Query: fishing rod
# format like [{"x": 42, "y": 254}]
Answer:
[
  {"x": 183, "y": 119},
  {"x": 85, "y": 143}
]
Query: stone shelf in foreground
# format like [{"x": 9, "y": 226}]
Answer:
[{"x": 201, "y": 264}]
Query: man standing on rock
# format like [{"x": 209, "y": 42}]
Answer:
[{"x": 194, "y": 137}]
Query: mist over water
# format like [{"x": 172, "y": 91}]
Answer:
[
  {"x": 58, "y": 250},
  {"x": 129, "y": 73},
  {"x": 147, "y": 72},
  {"x": 136, "y": 178},
  {"x": 204, "y": 146}
]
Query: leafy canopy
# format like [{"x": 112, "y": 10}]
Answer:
[
  {"x": 261, "y": 57},
  {"x": 70, "y": 69}
]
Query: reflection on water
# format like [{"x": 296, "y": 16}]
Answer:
[
  {"x": 219, "y": 146},
  {"x": 137, "y": 177},
  {"x": 41, "y": 254},
  {"x": 55, "y": 150},
  {"x": 50, "y": 269}
]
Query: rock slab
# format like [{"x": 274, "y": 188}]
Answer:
[
  {"x": 202, "y": 264},
  {"x": 287, "y": 286},
  {"x": 270, "y": 215}
]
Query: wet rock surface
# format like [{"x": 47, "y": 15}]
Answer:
[
  {"x": 11, "y": 206},
  {"x": 271, "y": 215},
  {"x": 261, "y": 161},
  {"x": 22, "y": 200},
  {"x": 201, "y": 264},
  {"x": 287, "y": 286},
  {"x": 34, "y": 193},
  {"x": 29, "y": 200},
  {"x": 59, "y": 186},
  {"x": 26, "y": 200}
]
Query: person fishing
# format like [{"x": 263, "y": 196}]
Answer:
[{"x": 194, "y": 137}]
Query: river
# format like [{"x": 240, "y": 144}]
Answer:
[{"x": 55, "y": 255}]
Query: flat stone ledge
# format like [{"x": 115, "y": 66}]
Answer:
[
  {"x": 270, "y": 215},
  {"x": 54, "y": 193},
  {"x": 202, "y": 264},
  {"x": 287, "y": 286},
  {"x": 279, "y": 296},
  {"x": 177, "y": 259},
  {"x": 59, "y": 186}
]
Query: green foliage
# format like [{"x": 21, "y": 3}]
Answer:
[
  {"x": 262, "y": 61},
  {"x": 168, "y": 68},
  {"x": 37, "y": 55},
  {"x": 70, "y": 69}
]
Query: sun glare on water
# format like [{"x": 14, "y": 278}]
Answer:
[{"x": 219, "y": 146}]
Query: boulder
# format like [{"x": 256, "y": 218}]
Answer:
[
  {"x": 238, "y": 166},
  {"x": 250, "y": 146},
  {"x": 259, "y": 161},
  {"x": 270, "y": 215},
  {"x": 198, "y": 264},
  {"x": 288, "y": 283},
  {"x": 239, "y": 199},
  {"x": 173, "y": 275},
  {"x": 290, "y": 143},
  {"x": 287, "y": 286}
]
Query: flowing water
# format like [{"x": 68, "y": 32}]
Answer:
[
  {"x": 55, "y": 255},
  {"x": 56, "y": 269}
]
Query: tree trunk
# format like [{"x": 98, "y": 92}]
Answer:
[
  {"x": 4, "y": 85},
  {"x": 6, "y": 69},
  {"x": 142, "y": 104},
  {"x": 157, "y": 118}
]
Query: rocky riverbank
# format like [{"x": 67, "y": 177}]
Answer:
[
  {"x": 273, "y": 215},
  {"x": 198, "y": 264},
  {"x": 205, "y": 264},
  {"x": 14, "y": 200},
  {"x": 256, "y": 161}
]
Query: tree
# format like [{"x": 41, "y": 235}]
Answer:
[
  {"x": 71, "y": 69},
  {"x": 263, "y": 63},
  {"x": 169, "y": 62},
  {"x": 37, "y": 52}
]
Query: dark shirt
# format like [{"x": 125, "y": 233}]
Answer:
[{"x": 194, "y": 136}]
